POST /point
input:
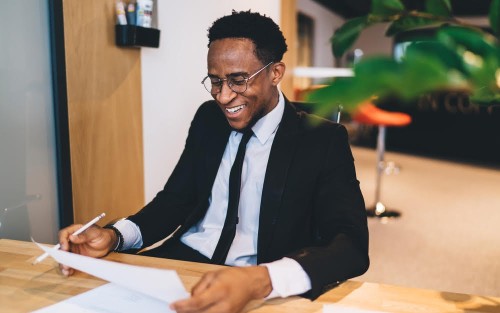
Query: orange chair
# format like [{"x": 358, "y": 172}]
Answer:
[{"x": 369, "y": 114}]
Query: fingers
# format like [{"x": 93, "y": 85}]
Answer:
[
  {"x": 93, "y": 233},
  {"x": 95, "y": 242},
  {"x": 211, "y": 300},
  {"x": 199, "y": 303},
  {"x": 204, "y": 283},
  {"x": 65, "y": 270},
  {"x": 220, "y": 291},
  {"x": 220, "y": 307},
  {"x": 64, "y": 241},
  {"x": 64, "y": 235},
  {"x": 200, "y": 299}
]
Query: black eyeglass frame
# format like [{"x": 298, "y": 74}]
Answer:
[{"x": 230, "y": 82}]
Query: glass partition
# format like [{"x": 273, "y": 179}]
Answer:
[{"x": 28, "y": 189}]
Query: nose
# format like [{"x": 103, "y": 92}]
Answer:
[{"x": 226, "y": 94}]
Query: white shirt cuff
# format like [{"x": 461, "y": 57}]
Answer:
[
  {"x": 288, "y": 278},
  {"x": 132, "y": 237}
]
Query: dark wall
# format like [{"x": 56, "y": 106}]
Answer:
[{"x": 445, "y": 126}]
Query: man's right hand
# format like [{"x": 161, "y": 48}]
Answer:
[{"x": 94, "y": 242}]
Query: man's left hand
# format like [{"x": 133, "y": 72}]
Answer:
[{"x": 226, "y": 291}]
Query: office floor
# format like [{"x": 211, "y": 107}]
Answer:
[{"x": 448, "y": 237}]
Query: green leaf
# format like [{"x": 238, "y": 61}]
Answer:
[
  {"x": 469, "y": 39},
  {"x": 379, "y": 74},
  {"x": 450, "y": 57},
  {"x": 347, "y": 34},
  {"x": 375, "y": 64},
  {"x": 486, "y": 99},
  {"x": 345, "y": 91},
  {"x": 387, "y": 7},
  {"x": 424, "y": 71},
  {"x": 420, "y": 72},
  {"x": 409, "y": 22},
  {"x": 494, "y": 16},
  {"x": 438, "y": 7},
  {"x": 484, "y": 78}
]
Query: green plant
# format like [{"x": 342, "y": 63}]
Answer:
[{"x": 461, "y": 57}]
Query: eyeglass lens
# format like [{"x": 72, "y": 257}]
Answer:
[
  {"x": 214, "y": 85},
  {"x": 238, "y": 84}
]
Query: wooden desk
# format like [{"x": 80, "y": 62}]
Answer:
[{"x": 24, "y": 287}]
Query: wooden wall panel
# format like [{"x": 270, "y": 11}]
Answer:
[
  {"x": 289, "y": 28},
  {"x": 105, "y": 117}
]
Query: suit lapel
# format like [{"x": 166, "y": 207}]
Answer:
[
  {"x": 217, "y": 144},
  {"x": 280, "y": 158},
  {"x": 217, "y": 134}
]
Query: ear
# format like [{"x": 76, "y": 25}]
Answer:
[{"x": 277, "y": 71}]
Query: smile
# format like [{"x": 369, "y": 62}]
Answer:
[{"x": 235, "y": 109}]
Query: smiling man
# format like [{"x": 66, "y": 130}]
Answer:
[{"x": 260, "y": 186}]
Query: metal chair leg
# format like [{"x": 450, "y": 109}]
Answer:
[{"x": 379, "y": 210}]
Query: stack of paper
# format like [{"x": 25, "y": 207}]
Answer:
[{"x": 132, "y": 288}]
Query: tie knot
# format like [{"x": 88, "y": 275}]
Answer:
[{"x": 247, "y": 134}]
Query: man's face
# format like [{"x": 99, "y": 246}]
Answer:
[{"x": 232, "y": 57}]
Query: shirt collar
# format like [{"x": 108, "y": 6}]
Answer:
[{"x": 268, "y": 124}]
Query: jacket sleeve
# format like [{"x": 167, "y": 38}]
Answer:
[{"x": 340, "y": 227}]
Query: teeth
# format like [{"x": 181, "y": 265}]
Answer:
[{"x": 235, "y": 109}]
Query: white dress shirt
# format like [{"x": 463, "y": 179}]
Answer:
[{"x": 287, "y": 276}]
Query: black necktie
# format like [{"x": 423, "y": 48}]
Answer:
[{"x": 229, "y": 229}]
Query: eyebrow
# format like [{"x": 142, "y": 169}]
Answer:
[{"x": 229, "y": 75}]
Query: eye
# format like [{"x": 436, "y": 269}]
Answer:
[
  {"x": 238, "y": 81},
  {"x": 215, "y": 82}
]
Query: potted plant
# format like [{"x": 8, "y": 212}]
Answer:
[{"x": 461, "y": 57}]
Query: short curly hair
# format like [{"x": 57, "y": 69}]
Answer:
[{"x": 270, "y": 44}]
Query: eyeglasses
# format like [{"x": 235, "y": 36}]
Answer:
[{"x": 236, "y": 83}]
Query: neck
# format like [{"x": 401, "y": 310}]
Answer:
[{"x": 273, "y": 101}]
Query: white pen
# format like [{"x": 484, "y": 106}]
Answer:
[{"x": 76, "y": 233}]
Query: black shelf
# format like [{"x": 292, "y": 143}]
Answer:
[{"x": 136, "y": 36}]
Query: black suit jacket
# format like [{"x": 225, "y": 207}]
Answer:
[{"x": 312, "y": 209}]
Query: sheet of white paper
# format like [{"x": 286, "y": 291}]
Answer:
[
  {"x": 336, "y": 308},
  {"x": 109, "y": 298},
  {"x": 161, "y": 284}
]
